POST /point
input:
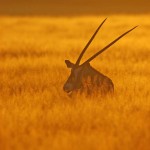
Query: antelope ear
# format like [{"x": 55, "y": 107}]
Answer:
[{"x": 69, "y": 64}]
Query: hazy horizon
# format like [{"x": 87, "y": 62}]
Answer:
[{"x": 65, "y": 7}]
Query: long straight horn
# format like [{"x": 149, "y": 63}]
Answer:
[
  {"x": 85, "y": 48},
  {"x": 105, "y": 48}
]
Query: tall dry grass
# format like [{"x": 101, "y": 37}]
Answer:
[{"x": 35, "y": 113}]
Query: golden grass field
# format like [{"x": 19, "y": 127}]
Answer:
[{"x": 35, "y": 112}]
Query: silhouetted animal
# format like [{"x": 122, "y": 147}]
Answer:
[{"x": 84, "y": 78}]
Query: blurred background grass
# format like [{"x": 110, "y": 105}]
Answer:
[{"x": 73, "y": 7}]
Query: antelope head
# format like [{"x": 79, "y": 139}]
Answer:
[{"x": 74, "y": 81}]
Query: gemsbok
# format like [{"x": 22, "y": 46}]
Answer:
[{"x": 84, "y": 78}]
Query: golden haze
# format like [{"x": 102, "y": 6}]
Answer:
[
  {"x": 35, "y": 113},
  {"x": 73, "y": 7}
]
